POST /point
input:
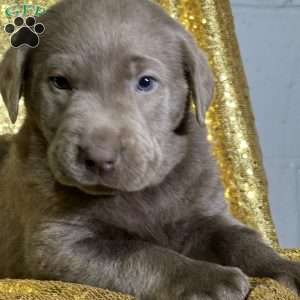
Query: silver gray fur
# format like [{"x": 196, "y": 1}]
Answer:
[{"x": 156, "y": 226}]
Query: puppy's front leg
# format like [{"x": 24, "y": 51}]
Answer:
[
  {"x": 66, "y": 252},
  {"x": 218, "y": 240}
]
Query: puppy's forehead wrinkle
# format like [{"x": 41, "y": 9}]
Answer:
[
  {"x": 145, "y": 64},
  {"x": 59, "y": 60},
  {"x": 103, "y": 24}
]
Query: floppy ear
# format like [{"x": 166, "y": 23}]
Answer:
[
  {"x": 199, "y": 75},
  {"x": 11, "y": 79}
]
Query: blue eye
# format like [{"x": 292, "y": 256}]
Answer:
[{"x": 146, "y": 84}]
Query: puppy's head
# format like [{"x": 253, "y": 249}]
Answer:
[{"x": 109, "y": 89}]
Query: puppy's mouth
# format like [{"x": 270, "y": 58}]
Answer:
[
  {"x": 77, "y": 177},
  {"x": 130, "y": 173},
  {"x": 98, "y": 190}
]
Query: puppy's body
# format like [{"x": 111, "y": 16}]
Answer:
[
  {"x": 110, "y": 181},
  {"x": 164, "y": 215}
]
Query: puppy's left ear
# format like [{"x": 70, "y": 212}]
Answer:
[
  {"x": 11, "y": 79},
  {"x": 199, "y": 75}
]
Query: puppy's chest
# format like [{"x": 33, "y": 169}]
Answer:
[{"x": 156, "y": 218}]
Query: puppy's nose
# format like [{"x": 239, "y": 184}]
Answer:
[
  {"x": 100, "y": 153},
  {"x": 100, "y": 160}
]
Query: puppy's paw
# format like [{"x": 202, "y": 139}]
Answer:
[
  {"x": 225, "y": 283},
  {"x": 208, "y": 283}
]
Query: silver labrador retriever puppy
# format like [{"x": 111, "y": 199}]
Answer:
[{"x": 110, "y": 181}]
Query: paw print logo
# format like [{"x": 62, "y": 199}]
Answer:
[{"x": 24, "y": 32}]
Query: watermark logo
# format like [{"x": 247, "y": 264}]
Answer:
[
  {"x": 24, "y": 10},
  {"x": 24, "y": 30}
]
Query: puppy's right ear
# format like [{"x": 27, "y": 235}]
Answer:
[
  {"x": 199, "y": 75},
  {"x": 11, "y": 79}
]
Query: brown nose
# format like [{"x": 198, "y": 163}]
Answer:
[{"x": 100, "y": 151}]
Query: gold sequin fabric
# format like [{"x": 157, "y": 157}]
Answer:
[
  {"x": 40, "y": 290},
  {"x": 232, "y": 133},
  {"x": 267, "y": 289}
]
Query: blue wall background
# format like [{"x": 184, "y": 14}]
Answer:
[{"x": 269, "y": 37}]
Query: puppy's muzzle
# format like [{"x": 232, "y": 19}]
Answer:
[{"x": 99, "y": 152}]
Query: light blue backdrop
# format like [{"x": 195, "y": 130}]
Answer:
[{"x": 269, "y": 37}]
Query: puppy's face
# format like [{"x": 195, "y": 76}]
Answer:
[{"x": 108, "y": 87}]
